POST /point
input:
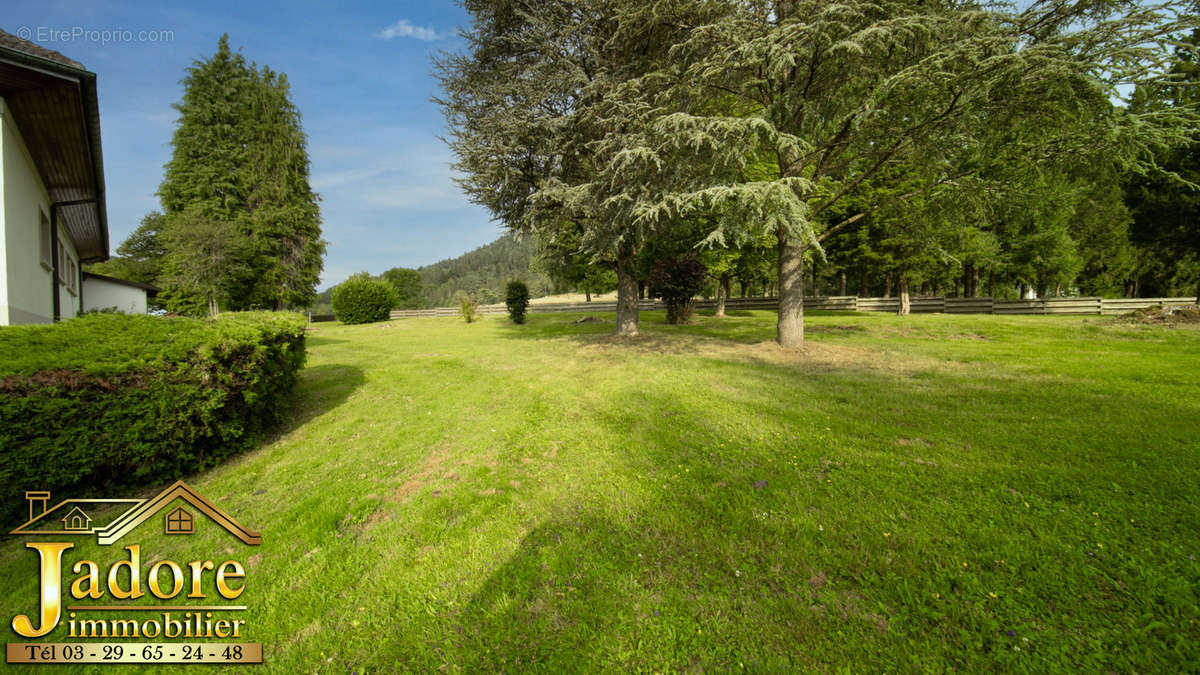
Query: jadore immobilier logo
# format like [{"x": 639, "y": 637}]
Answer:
[{"x": 109, "y": 609}]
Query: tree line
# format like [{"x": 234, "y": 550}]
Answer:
[{"x": 888, "y": 146}]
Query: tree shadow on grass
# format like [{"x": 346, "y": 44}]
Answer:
[
  {"x": 318, "y": 390},
  {"x": 655, "y": 332},
  {"x": 758, "y": 540},
  {"x": 311, "y": 340},
  {"x": 688, "y": 578},
  {"x": 738, "y": 327}
]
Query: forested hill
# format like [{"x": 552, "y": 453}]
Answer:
[{"x": 484, "y": 272}]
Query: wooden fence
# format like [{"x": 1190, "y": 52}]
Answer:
[{"x": 918, "y": 305}]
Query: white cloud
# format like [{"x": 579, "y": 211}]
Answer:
[
  {"x": 405, "y": 29},
  {"x": 339, "y": 178}
]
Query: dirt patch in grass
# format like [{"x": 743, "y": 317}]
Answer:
[{"x": 429, "y": 469}]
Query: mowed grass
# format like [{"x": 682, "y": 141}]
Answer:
[{"x": 912, "y": 494}]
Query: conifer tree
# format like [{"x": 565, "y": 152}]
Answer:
[
  {"x": 834, "y": 93},
  {"x": 542, "y": 117},
  {"x": 240, "y": 160}
]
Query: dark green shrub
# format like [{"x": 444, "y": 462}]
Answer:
[
  {"x": 516, "y": 298},
  {"x": 108, "y": 400},
  {"x": 362, "y": 299},
  {"x": 677, "y": 281}
]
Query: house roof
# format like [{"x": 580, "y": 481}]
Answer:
[
  {"x": 54, "y": 106},
  {"x": 150, "y": 290},
  {"x": 13, "y": 42}
]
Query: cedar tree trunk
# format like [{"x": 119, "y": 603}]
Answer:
[
  {"x": 790, "y": 329},
  {"x": 627, "y": 296},
  {"x": 722, "y": 294}
]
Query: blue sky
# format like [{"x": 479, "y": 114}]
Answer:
[{"x": 360, "y": 74}]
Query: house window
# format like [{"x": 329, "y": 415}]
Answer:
[
  {"x": 72, "y": 276},
  {"x": 179, "y": 521},
  {"x": 62, "y": 263},
  {"x": 44, "y": 239}
]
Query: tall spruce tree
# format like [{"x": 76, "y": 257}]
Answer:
[{"x": 240, "y": 160}]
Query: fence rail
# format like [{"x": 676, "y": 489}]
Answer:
[{"x": 918, "y": 305}]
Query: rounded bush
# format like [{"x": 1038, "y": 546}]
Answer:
[
  {"x": 677, "y": 281},
  {"x": 516, "y": 298},
  {"x": 362, "y": 299}
]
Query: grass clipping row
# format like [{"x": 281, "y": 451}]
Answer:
[{"x": 1160, "y": 315}]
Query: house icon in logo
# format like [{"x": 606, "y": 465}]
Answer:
[
  {"x": 123, "y": 515},
  {"x": 77, "y": 520}
]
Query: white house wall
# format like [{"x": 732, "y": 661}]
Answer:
[
  {"x": 99, "y": 294},
  {"x": 25, "y": 283}
]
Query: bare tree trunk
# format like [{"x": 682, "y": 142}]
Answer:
[
  {"x": 722, "y": 293},
  {"x": 975, "y": 282},
  {"x": 212, "y": 305},
  {"x": 790, "y": 329},
  {"x": 843, "y": 291},
  {"x": 887, "y": 285},
  {"x": 641, "y": 290},
  {"x": 863, "y": 290},
  {"x": 905, "y": 301},
  {"x": 627, "y": 298},
  {"x": 587, "y": 295}
]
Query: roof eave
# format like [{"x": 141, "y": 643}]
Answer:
[{"x": 86, "y": 80}]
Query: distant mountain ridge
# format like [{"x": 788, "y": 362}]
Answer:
[{"x": 484, "y": 272}]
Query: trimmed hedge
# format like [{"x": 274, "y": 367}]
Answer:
[
  {"x": 107, "y": 401},
  {"x": 363, "y": 299}
]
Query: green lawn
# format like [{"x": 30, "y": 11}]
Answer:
[{"x": 921, "y": 493}]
